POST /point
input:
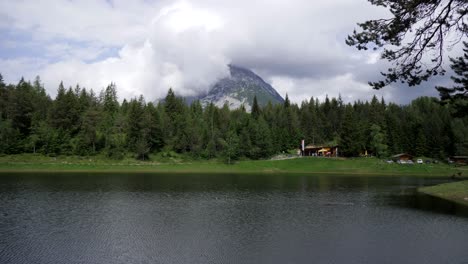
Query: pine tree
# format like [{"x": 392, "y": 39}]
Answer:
[
  {"x": 350, "y": 143},
  {"x": 260, "y": 137},
  {"x": 8, "y": 137},
  {"x": 420, "y": 144},
  {"x": 109, "y": 128},
  {"x": 88, "y": 132},
  {"x": 111, "y": 104},
  {"x": 153, "y": 119},
  {"x": 41, "y": 102},
  {"x": 3, "y": 98},
  {"x": 459, "y": 128},
  {"x": 134, "y": 124},
  {"x": 174, "y": 112},
  {"x": 255, "y": 108},
  {"x": 21, "y": 108},
  {"x": 286, "y": 103}
]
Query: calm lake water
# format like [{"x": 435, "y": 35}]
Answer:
[{"x": 226, "y": 219}]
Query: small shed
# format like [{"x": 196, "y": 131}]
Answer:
[{"x": 403, "y": 156}]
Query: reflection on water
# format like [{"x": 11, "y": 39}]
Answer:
[
  {"x": 427, "y": 203},
  {"x": 53, "y": 218}
]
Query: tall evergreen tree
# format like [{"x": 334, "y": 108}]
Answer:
[
  {"x": 135, "y": 124},
  {"x": 350, "y": 144},
  {"x": 3, "y": 98},
  {"x": 8, "y": 137},
  {"x": 88, "y": 137},
  {"x": 255, "y": 108},
  {"x": 21, "y": 108},
  {"x": 287, "y": 103}
]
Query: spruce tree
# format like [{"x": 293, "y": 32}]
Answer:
[
  {"x": 135, "y": 124},
  {"x": 349, "y": 138},
  {"x": 255, "y": 108},
  {"x": 286, "y": 103},
  {"x": 8, "y": 138}
]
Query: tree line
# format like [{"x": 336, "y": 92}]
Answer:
[{"x": 80, "y": 122}]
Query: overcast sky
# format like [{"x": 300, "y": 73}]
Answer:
[{"x": 147, "y": 46}]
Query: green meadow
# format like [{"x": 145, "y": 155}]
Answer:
[{"x": 309, "y": 165}]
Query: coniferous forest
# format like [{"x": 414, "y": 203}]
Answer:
[{"x": 80, "y": 122}]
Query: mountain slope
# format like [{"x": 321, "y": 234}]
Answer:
[{"x": 240, "y": 88}]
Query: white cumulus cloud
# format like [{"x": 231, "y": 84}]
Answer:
[{"x": 147, "y": 46}]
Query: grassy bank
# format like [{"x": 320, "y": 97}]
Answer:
[
  {"x": 455, "y": 191},
  {"x": 358, "y": 166}
]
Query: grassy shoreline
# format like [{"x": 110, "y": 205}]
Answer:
[
  {"x": 455, "y": 191},
  {"x": 337, "y": 166}
]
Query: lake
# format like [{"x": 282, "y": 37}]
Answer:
[{"x": 144, "y": 218}]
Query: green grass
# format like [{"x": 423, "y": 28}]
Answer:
[
  {"x": 181, "y": 164},
  {"x": 455, "y": 191}
]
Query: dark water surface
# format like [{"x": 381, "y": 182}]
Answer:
[{"x": 226, "y": 219}]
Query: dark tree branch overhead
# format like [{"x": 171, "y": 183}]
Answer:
[{"x": 415, "y": 38}]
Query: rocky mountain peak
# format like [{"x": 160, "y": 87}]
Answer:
[{"x": 239, "y": 88}]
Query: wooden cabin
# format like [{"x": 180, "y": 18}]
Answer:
[
  {"x": 460, "y": 160},
  {"x": 320, "y": 151},
  {"x": 402, "y": 156}
]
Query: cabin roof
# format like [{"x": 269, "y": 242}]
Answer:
[
  {"x": 320, "y": 146},
  {"x": 401, "y": 154}
]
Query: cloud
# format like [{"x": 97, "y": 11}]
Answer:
[
  {"x": 179, "y": 52},
  {"x": 344, "y": 85},
  {"x": 116, "y": 22},
  {"x": 145, "y": 47},
  {"x": 20, "y": 67}
]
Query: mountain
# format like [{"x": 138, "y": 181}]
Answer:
[{"x": 239, "y": 88}]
